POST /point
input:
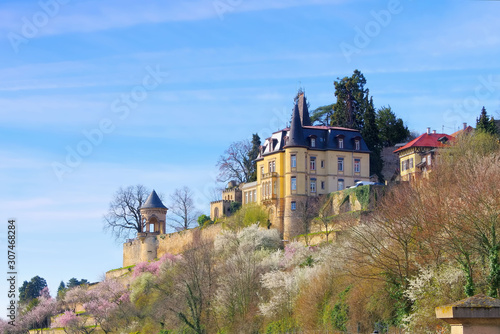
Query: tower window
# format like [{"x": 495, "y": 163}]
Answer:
[
  {"x": 293, "y": 206},
  {"x": 293, "y": 183},
  {"x": 293, "y": 161}
]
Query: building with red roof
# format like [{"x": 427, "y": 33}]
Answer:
[
  {"x": 417, "y": 157},
  {"x": 466, "y": 130}
]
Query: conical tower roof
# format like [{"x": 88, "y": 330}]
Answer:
[
  {"x": 296, "y": 135},
  {"x": 153, "y": 201},
  {"x": 303, "y": 110}
]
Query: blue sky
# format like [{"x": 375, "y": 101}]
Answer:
[{"x": 153, "y": 92}]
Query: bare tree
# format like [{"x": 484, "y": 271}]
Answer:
[
  {"x": 234, "y": 164},
  {"x": 124, "y": 218},
  {"x": 326, "y": 217},
  {"x": 307, "y": 210},
  {"x": 196, "y": 286},
  {"x": 183, "y": 213}
]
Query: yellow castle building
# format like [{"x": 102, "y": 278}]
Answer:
[{"x": 304, "y": 161}]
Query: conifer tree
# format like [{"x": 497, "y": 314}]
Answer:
[
  {"x": 351, "y": 95},
  {"x": 252, "y": 155},
  {"x": 31, "y": 290},
  {"x": 370, "y": 135},
  {"x": 486, "y": 123},
  {"x": 391, "y": 128}
]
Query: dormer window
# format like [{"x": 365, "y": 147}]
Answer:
[
  {"x": 341, "y": 142},
  {"x": 313, "y": 142},
  {"x": 357, "y": 145}
]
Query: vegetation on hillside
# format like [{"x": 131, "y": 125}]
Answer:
[{"x": 424, "y": 245}]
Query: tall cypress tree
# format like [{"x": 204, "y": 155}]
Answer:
[
  {"x": 249, "y": 162},
  {"x": 370, "y": 132}
]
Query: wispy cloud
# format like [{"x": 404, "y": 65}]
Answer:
[{"x": 91, "y": 16}]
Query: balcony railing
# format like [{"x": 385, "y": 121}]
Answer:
[{"x": 269, "y": 175}]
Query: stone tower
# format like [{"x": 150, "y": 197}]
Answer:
[{"x": 153, "y": 214}]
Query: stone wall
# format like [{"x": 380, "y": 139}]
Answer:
[
  {"x": 356, "y": 199},
  {"x": 173, "y": 243}
]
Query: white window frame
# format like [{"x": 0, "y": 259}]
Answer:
[
  {"x": 340, "y": 164},
  {"x": 312, "y": 163},
  {"x": 312, "y": 187},
  {"x": 357, "y": 165}
]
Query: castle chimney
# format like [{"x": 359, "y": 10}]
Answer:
[
  {"x": 434, "y": 131},
  {"x": 465, "y": 126},
  {"x": 428, "y": 131}
]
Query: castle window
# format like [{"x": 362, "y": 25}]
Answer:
[
  {"x": 312, "y": 164},
  {"x": 411, "y": 162},
  {"x": 274, "y": 166},
  {"x": 340, "y": 184},
  {"x": 151, "y": 227},
  {"x": 293, "y": 183},
  {"x": 341, "y": 142},
  {"x": 357, "y": 166},
  {"x": 275, "y": 188},
  {"x": 340, "y": 164},
  {"x": 293, "y": 206},
  {"x": 313, "y": 142},
  {"x": 313, "y": 186},
  {"x": 322, "y": 163},
  {"x": 322, "y": 185},
  {"x": 262, "y": 170},
  {"x": 357, "y": 145},
  {"x": 293, "y": 161}
]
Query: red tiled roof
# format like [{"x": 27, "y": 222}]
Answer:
[
  {"x": 426, "y": 140},
  {"x": 466, "y": 130}
]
